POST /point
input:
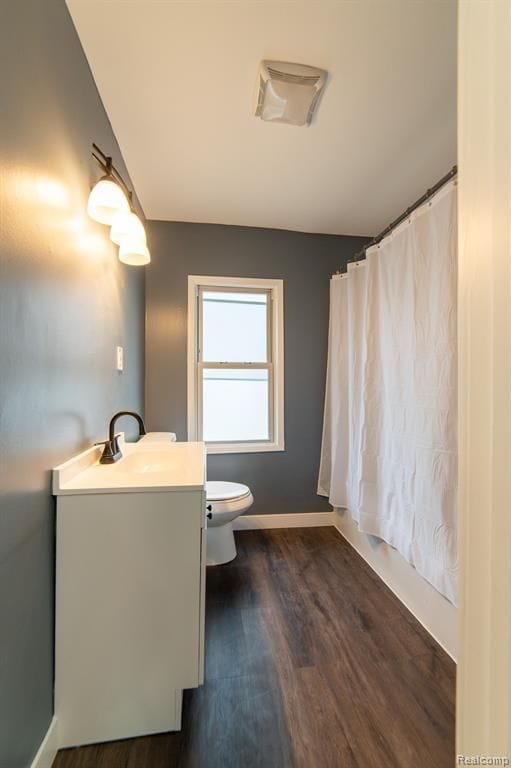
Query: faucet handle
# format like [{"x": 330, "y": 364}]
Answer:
[
  {"x": 111, "y": 452},
  {"x": 105, "y": 442}
]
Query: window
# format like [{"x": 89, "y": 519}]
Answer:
[{"x": 236, "y": 364}]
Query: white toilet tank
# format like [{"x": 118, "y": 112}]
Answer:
[{"x": 159, "y": 437}]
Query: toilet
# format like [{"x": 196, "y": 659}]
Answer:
[{"x": 225, "y": 502}]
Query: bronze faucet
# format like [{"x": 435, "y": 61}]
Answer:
[{"x": 112, "y": 452}]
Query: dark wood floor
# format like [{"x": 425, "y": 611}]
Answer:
[{"x": 311, "y": 662}]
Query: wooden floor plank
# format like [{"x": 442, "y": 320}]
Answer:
[{"x": 311, "y": 662}]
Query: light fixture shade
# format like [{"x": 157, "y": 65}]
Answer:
[
  {"x": 127, "y": 225},
  {"x": 289, "y": 93},
  {"x": 105, "y": 200},
  {"x": 134, "y": 252}
]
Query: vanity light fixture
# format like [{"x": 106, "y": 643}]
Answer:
[
  {"x": 126, "y": 224},
  {"x": 106, "y": 200},
  {"x": 110, "y": 202},
  {"x": 110, "y": 194},
  {"x": 134, "y": 252}
]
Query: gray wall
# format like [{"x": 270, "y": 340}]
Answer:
[
  {"x": 281, "y": 482},
  {"x": 65, "y": 302}
]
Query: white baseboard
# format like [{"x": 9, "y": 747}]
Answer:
[
  {"x": 48, "y": 750},
  {"x": 296, "y": 520},
  {"x": 436, "y": 614}
]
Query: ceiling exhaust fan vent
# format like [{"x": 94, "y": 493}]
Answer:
[
  {"x": 289, "y": 93},
  {"x": 288, "y": 77}
]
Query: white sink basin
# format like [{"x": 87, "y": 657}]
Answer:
[{"x": 146, "y": 461}]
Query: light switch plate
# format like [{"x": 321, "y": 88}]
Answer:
[{"x": 120, "y": 358}]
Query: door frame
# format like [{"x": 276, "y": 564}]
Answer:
[{"x": 484, "y": 328}]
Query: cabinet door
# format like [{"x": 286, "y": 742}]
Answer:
[{"x": 129, "y": 606}]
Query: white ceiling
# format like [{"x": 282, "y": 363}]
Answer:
[{"x": 178, "y": 80}]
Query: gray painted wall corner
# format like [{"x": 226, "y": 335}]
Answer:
[{"x": 281, "y": 482}]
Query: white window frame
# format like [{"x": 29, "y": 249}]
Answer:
[{"x": 275, "y": 289}]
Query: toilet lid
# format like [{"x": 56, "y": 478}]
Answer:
[{"x": 217, "y": 490}]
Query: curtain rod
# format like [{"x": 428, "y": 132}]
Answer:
[{"x": 425, "y": 197}]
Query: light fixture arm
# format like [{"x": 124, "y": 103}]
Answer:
[{"x": 105, "y": 161}]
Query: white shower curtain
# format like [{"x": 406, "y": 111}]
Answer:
[{"x": 389, "y": 451}]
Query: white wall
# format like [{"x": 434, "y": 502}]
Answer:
[
  {"x": 433, "y": 611},
  {"x": 484, "y": 144}
]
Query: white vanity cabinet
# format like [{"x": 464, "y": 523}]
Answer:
[{"x": 130, "y": 591}]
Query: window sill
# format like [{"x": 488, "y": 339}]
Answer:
[{"x": 244, "y": 447}]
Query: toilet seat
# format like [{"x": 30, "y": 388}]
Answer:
[{"x": 217, "y": 490}]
